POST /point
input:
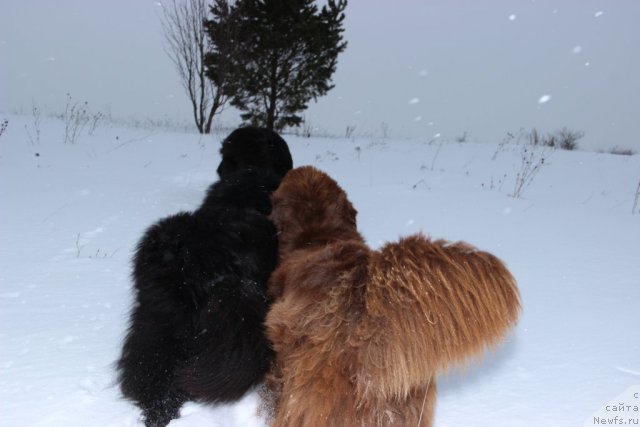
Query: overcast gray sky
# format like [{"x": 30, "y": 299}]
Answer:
[{"x": 416, "y": 68}]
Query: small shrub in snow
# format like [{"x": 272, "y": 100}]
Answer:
[
  {"x": 304, "y": 130},
  {"x": 436, "y": 154},
  {"x": 349, "y": 132},
  {"x": 3, "y": 126},
  {"x": 534, "y": 137},
  {"x": 78, "y": 245},
  {"x": 636, "y": 200},
  {"x": 532, "y": 159},
  {"x": 148, "y": 123},
  {"x": 495, "y": 183},
  {"x": 384, "y": 130},
  {"x": 307, "y": 130},
  {"x": 34, "y": 134},
  {"x": 422, "y": 184},
  {"x": 327, "y": 155},
  {"x": 462, "y": 138},
  {"x": 535, "y": 150},
  {"x": 564, "y": 138},
  {"x": 568, "y": 139},
  {"x": 94, "y": 121},
  {"x": 76, "y": 117},
  {"x": 622, "y": 151},
  {"x": 504, "y": 143}
]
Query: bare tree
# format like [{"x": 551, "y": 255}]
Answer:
[{"x": 187, "y": 45}]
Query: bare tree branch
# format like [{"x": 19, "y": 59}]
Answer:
[{"x": 186, "y": 44}]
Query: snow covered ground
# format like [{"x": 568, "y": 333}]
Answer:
[{"x": 72, "y": 213}]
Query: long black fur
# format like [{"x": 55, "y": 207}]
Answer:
[{"x": 196, "y": 329}]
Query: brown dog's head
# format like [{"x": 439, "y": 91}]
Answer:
[{"x": 310, "y": 208}]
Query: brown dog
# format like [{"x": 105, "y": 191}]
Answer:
[{"x": 359, "y": 335}]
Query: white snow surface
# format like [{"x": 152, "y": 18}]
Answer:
[{"x": 72, "y": 214}]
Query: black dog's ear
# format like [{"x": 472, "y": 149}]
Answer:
[
  {"x": 227, "y": 165},
  {"x": 280, "y": 154}
]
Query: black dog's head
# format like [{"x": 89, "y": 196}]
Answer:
[{"x": 254, "y": 147}]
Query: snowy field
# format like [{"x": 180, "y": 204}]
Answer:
[{"x": 72, "y": 213}]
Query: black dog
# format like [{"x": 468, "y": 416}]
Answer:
[{"x": 197, "y": 325}]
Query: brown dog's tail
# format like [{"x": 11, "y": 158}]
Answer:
[{"x": 431, "y": 304}]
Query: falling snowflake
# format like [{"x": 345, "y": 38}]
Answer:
[
  {"x": 512, "y": 17},
  {"x": 577, "y": 49},
  {"x": 414, "y": 101},
  {"x": 598, "y": 14},
  {"x": 544, "y": 99}
]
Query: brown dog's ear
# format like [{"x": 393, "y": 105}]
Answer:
[{"x": 349, "y": 213}]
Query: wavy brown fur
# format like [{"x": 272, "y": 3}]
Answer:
[{"x": 359, "y": 335}]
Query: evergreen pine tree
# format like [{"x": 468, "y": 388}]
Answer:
[{"x": 284, "y": 54}]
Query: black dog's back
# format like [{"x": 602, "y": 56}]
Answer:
[{"x": 196, "y": 329}]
